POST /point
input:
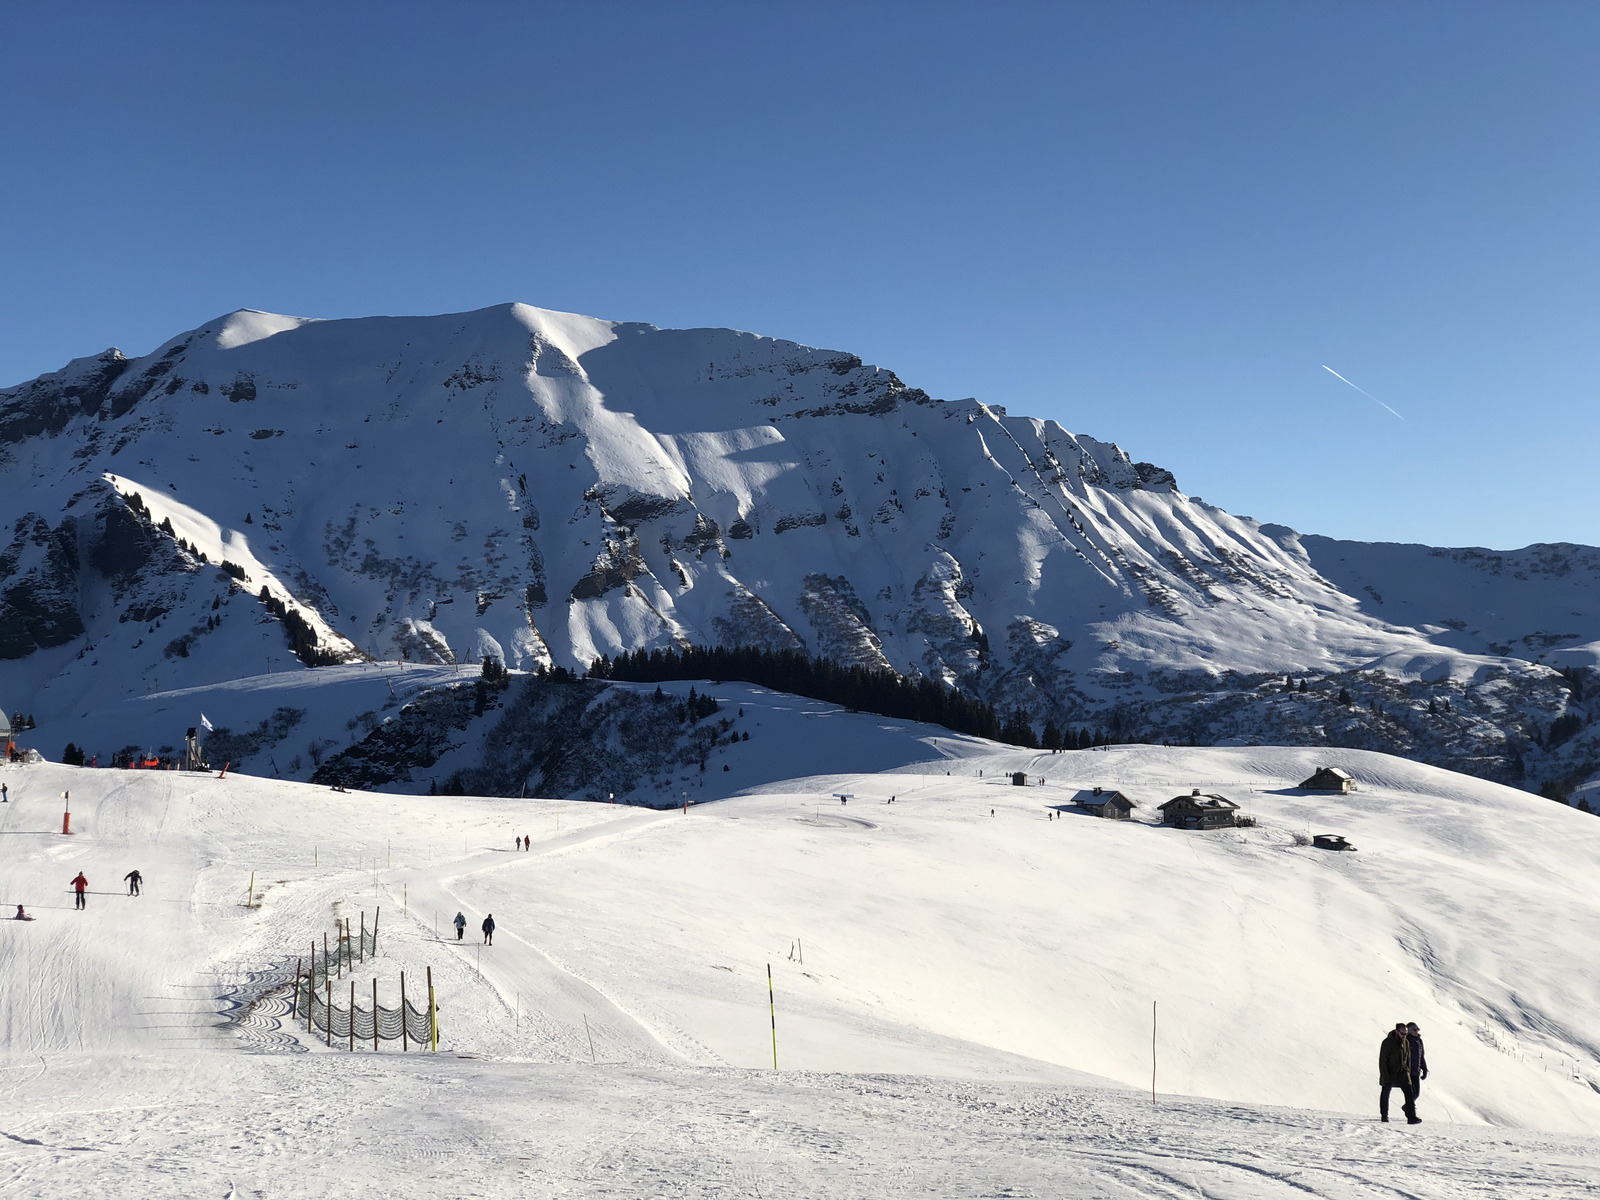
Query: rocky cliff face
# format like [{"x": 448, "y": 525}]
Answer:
[{"x": 546, "y": 488}]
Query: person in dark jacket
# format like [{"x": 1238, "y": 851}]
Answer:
[
  {"x": 461, "y": 925},
  {"x": 1394, "y": 1071},
  {"x": 1419, "y": 1057},
  {"x": 79, "y": 885},
  {"x": 488, "y": 930},
  {"x": 134, "y": 880}
]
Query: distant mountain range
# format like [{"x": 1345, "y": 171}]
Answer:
[{"x": 545, "y": 488}]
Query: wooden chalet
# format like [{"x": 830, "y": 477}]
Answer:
[
  {"x": 1330, "y": 779},
  {"x": 1331, "y": 841},
  {"x": 1195, "y": 811},
  {"x": 1113, "y": 806}
]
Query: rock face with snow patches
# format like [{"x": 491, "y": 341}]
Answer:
[{"x": 546, "y": 488}]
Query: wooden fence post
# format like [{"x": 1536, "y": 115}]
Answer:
[
  {"x": 352, "y": 1014},
  {"x": 311, "y": 985},
  {"x": 433, "y": 1015},
  {"x": 329, "y": 1013},
  {"x": 376, "y": 913},
  {"x": 404, "y": 1041},
  {"x": 294, "y": 1008},
  {"x": 324, "y": 953},
  {"x": 363, "y": 948},
  {"x": 374, "y": 1014}
]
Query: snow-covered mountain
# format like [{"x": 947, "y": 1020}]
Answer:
[{"x": 546, "y": 488}]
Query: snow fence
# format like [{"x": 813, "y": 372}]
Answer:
[{"x": 314, "y": 996}]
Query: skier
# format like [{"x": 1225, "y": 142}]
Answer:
[
  {"x": 1394, "y": 1071},
  {"x": 80, "y": 884},
  {"x": 134, "y": 881},
  {"x": 22, "y": 914},
  {"x": 5, "y": 794},
  {"x": 1419, "y": 1059},
  {"x": 488, "y": 930},
  {"x": 461, "y": 926}
]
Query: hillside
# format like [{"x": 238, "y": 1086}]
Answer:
[
  {"x": 964, "y": 980},
  {"x": 265, "y": 493}
]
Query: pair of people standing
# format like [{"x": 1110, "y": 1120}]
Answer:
[
  {"x": 80, "y": 885},
  {"x": 1403, "y": 1064}
]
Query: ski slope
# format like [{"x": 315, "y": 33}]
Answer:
[{"x": 972, "y": 1012}]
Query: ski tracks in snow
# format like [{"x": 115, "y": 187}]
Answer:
[{"x": 562, "y": 1016}]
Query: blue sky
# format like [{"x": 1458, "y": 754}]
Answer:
[{"x": 1154, "y": 222}]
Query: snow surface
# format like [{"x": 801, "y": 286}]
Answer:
[{"x": 972, "y": 1015}]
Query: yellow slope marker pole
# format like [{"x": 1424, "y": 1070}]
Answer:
[
  {"x": 433, "y": 1014},
  {"x": 772, "y": 1006}
]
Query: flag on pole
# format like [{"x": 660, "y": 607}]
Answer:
[{"x": 205, "y": 724}]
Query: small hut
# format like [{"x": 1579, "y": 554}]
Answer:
[
  {"x": 1195, "y": 811},
  {"x": 1330, "y": 779},
  {"x": 1113, "y": 806},
  {"x": 1331, "y": 841},
  {"x": 1019, "y": 779}
]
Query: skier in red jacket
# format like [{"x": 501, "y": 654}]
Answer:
[{"x": 80, "y": 884}]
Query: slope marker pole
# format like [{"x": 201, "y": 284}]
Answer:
[
  {"x": 405, "y": 1043},
  {"x": 772, "y": 1006},
  {"x": 433, "y": 1014},
  {"x": 1152, "y": 1052}
]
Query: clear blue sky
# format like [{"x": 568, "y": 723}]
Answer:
[{"x": 1152, "y": 222}]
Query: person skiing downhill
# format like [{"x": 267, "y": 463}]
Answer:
[
  {"x": 488, "y": 930},
  {"x": 135, "y": 881},
  {"x": 1394, "y": 1071},
  {"x": 80, "y": 885},
  {"x": 461, "y": 925}
]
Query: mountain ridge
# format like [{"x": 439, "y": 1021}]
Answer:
[{"x": 544, "y": 488}]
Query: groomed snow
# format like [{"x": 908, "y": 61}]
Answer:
[{"x": 972, "y": 1015}]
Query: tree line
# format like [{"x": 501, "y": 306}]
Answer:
[{"x": 863, "y": 689}]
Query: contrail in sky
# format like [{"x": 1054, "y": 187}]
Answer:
[{"x": 1362, "y": 390}]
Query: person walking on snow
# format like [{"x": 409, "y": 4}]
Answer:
[
  {"x": 5, "y": 794},
  {"x": 526, "y": 841},
  {"x": 134, "y": 881},
  {"x": 488, "y": 930},
  {"x": 1394, "y": 1071},
  {"x": 1419, "y": 1058},
  {"x": 80, "y": 885},
  {"x": 461, "y": 926},
  {"x": 519, "y": 841}
]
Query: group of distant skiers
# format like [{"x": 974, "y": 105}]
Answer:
[
  {"x": 1402, "y": 1064},
  {"x": 80, "y": 889},
  {"x": 488, "y": 928}
]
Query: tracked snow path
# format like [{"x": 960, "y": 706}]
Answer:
[{"x": 565, "y": 1014}]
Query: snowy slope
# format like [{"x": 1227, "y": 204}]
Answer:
[
  {"x": 1016, "y": 951},
  {"x": 544, "y": 488}
]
